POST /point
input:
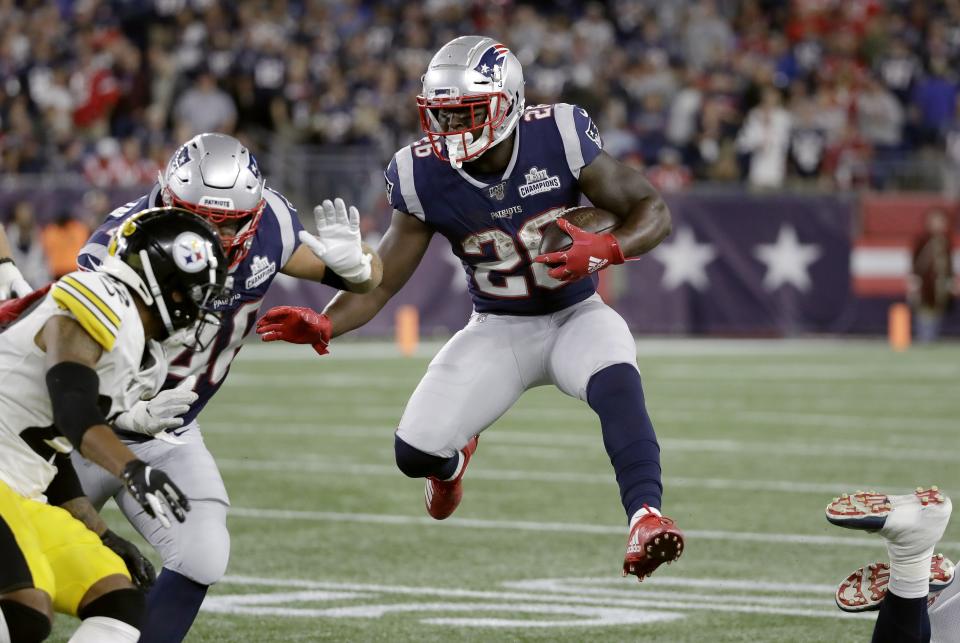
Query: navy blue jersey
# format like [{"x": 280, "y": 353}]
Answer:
[
  {"x": 273, "y": 245},
  {"x": 495, "y": 225}
]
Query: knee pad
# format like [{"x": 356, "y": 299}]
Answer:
[
  {"x": 204, "y": 547},
  {"x": 25, "y": 624},
  {"x": 414, "y": 463},
  {"x": 125, "y": 605}
]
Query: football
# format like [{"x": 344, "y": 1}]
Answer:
[{"x": 586, "y": 217}]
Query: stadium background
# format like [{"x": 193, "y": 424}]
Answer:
[{"x": 800, "y": 144}]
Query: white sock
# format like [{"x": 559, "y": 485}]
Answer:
[
  {"x": 912, "y": 531},
  {"x": 102, "y": 629},
  {"x": 4, "y": 632},
  {"x": 641, "y": 513},
  {"x": 456, "y": 472}
]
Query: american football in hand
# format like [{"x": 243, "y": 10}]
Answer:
[{"x": 584, "y": 217}]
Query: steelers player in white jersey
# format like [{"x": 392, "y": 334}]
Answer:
[{"x": 79, "y": 357}]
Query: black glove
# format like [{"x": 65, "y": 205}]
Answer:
[
  {"x": 141, "y": 570},
  {"x": 149, "y": 486}
]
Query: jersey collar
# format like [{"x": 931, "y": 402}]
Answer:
[{"x": 506, "y": 173}]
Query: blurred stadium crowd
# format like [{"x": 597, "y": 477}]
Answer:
[{"x": 828, "y": 92}]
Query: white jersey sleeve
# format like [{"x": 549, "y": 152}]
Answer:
[{"x": 105, "y": 309}]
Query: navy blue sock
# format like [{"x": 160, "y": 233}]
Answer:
[
  {"x": 172, "y": 606},
  {"x": 616, "y": 394},
  {"x": 902, "y": 620},
  {"x": 414, "y": 463}
]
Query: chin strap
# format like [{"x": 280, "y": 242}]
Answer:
[{"x": 456, "y": 149}]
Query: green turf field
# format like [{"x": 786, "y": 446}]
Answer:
[{"x": 331, "y": 542}]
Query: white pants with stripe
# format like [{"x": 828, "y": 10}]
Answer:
[
  {"x": 198, "y": 548},
  {"x": 479, "y": 374}
]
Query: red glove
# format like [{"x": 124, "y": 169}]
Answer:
[
  {"x": 11, "y": 309},
  {"x": 296, "y": 325},
  {"x": 590, "y": 252}
]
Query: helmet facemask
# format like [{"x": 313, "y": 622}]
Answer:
[
  {"x": 237, "y": 245},
  {"x": 188, "y": 309},
  {"x": 484, "y": 114}
]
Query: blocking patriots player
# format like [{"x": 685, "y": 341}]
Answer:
[
  {"x": 490, "y": 175},
  {"x": 916, "y": 593},
  {"x": 65, "y": 366},
  {"x": 215, "y": 176}
]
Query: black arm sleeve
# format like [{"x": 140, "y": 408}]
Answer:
[
  {"x": 65, "y": 485},
  {"x": 74, "y": 395},
  {"x": 332, "y": 279}
]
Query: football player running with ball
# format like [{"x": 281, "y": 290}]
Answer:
[
  {"x": 83, "y": 353},
  {"x": 491, "y": 175},
  {"x": 215, "y": 176}
]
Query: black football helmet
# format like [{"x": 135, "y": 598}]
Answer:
[{"x": 174, "y": 261}]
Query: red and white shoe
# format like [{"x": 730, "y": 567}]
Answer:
[
  {"x": 653, "y": 540},
  {"x": 865, "y": 589},
  {"x": 442, "y": 497},
  {"x": 868, "y": 510}
]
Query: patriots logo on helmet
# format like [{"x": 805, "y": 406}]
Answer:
[
  {"x": 254, "y": 167},
  {"x": 491, "y": 62},
  {"x": 190, "y": 252},
  {"x": 181, "y": 158}
]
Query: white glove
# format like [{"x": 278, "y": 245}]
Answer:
[
  {"x": 160, "y": 413},
  {"x": 337, "y": 243},
  {"x": 12, "y": 283}
]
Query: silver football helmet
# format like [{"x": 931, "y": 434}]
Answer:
[
  {"x": 481, "y": 78},
  {"x": 215, "y": 176}
]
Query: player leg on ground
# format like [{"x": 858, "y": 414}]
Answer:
[
  {"x": 194, "y": 552},
  {"x": 911, "y": 525},
  {"x": 52, "y": 562},
  {"x": 471, "y": 382},
  {"x": 593, "y": 358}
]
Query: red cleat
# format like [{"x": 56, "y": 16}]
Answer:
[
  {"x": 865, "y": 589},
  {"x": 442, "y": 497},
  {"x": 654, "y": 540}
]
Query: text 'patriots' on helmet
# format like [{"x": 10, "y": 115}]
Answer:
[
  {"x": 216, "y": 176},
  {"x": 472, "y": 97},
  {"x": 174, "y": 261}
]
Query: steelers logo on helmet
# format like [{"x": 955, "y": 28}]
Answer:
[{"x": 190, "y": 252}]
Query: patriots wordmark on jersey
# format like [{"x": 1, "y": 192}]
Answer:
[
  {"x": 273, "y": 244},
  {"x": 495, "y": 223}
]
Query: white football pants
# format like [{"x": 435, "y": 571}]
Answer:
[{"x": 479, "y": 374}]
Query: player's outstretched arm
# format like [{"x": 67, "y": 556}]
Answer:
[
  {"x": 401, "y": 250},
  {"x": 336, "y": 248},
  {"x": 624, "y": 191},
  {"x": 71, "y": 357}
]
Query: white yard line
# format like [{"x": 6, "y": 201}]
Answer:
[
  {"x": 348, "y": 349},
  {"x": 783, "y": 449},
  {"x": 913, "y": 386},
  {"x": 555, "y": 527},
  {"x": 570, "y": 597},
  {"x": 704, "y": 413},
  {"x": 508, "y": 475}
]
